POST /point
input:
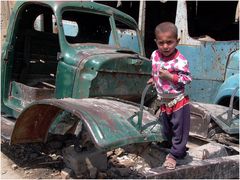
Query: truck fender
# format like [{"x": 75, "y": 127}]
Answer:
[
  {"x": 227, "y": 88},
  {"x": 105, "y": 120}
]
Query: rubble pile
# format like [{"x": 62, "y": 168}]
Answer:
[
  {"x": 131, "y": 161},
  {"x": 62, "y": 160}
]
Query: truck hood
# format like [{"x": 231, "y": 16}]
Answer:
[
  {"x": 117, "y": 73},
  {"x": 97, "y": 55}
]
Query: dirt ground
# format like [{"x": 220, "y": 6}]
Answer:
[
  {"x": 7, "y": 172},
  {"x": 29, "y": 162}
]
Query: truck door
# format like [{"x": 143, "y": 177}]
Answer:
[{"x": 32, "y": 62}]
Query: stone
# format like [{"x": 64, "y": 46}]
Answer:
[
  {"x": 66, "y": 173},
  {"x": 102, "y": 175},
  {"x": 118, "y": 151},
  {"x": 125, "y": 161},
  {"x": 55, "y": 173},
  {"x": 109, "y": 153},
  {"x": 113, "y": 160},
  {"x": 4, "y": 172},
  {"x": 14, "y": 166},
  {"x": 93, "y": 172},
  {"x": 208, "y": 151},
  {"x": 77, "y": 160},
  {"x": 55, "y": 157},
  {"x": 123, "y": 171}
]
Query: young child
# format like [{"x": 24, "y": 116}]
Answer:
[{"x": 170, "y": 73}]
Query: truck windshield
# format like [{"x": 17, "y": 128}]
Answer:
[{"x": 81, "y": 27}]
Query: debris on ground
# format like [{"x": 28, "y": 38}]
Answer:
[
  {"x": 60, "y": 158},
  {"x": 66, "y": 173},
  {"x": 14, "y": 166}
]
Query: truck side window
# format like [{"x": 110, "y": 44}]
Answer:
[
  {"x": 127, "y": 37},
  {"x": 70, "y": 28},
  {"x": 38, "y": 23}
]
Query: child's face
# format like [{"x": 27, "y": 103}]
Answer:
[{"x": 166, "y": 43}]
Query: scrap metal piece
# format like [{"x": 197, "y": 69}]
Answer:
[{"x": 105, "y": 120}]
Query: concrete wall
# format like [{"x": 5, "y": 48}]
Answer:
[{"x": 6, "y": 9}]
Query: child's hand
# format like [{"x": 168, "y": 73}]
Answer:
[
  {"x": 164, "y": 74},
  {"x": 150, "y": 81}
]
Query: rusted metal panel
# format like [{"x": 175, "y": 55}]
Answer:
[
  {"x": 203, "y": 113},
  {"x": 29, "y": 94},
  {"x": 6, "y": 128},
  {"x": 200, "y": 119},
  {"x": 6, "y": 9},
  {"x": 107, "y": 121},
  {"x": 33, "y": 124},
  {"x": 223, "y": 167}
]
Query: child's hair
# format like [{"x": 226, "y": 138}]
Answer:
[{"x": 166, "y": 27}]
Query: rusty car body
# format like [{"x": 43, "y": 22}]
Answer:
[{"x": 46, "y": 74}]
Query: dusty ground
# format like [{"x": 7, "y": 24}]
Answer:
[
  {"x": 7, "y": 172},
  {"x": 24, "y": 162}
]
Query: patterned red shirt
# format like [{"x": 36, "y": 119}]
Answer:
[{"x": 176, "y": 65}]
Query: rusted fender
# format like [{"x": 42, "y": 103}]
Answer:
[{"x": 107, "y": 121}]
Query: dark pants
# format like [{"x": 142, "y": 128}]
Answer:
[{"x": 176, "y": 130}]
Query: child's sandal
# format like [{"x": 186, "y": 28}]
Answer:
[{"x": 170, "y": 163}]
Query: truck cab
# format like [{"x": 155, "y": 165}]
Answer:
[{"x": 77, "y": 50}]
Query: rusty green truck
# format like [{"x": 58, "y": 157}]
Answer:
[
  {"x": 79, "y": 68},
  {"x": 47, "y": 71}
]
